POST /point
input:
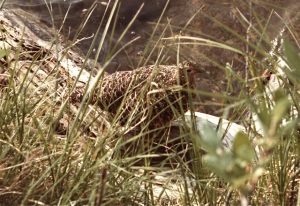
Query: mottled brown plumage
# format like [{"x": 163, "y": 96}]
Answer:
[{"x": 149, "y": 95}]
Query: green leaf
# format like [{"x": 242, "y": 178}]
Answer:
[
  {"x": 279, "y": 94},
  {"x": 220, "y": 164},
  {"x": 242, "y": 147},
  {"x": 4, "y": 53},
  {"x": 209, "y": 138},
  {"x": 292, "y": 56},
  {"x": 264, "y": 115},
  {"x": 280, "y": 110}
]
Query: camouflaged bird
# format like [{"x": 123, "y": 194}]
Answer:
[{"x": 150, "y": 95}]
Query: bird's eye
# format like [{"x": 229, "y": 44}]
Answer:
[{"x": 189, "y": 64}]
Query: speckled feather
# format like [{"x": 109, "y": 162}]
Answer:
[{"x": 150, "y": 93}]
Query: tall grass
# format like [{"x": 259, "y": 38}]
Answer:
[{"x": 54, "y": 151}]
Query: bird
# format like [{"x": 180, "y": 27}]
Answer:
[{"x": 150, "y": 95}]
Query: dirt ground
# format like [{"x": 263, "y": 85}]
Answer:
[{"x": 196, "y": 18}]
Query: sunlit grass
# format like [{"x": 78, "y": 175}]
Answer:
[{"x": 59, "y": 151}]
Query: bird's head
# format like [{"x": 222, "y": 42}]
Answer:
[{"x": 188, "y": 72}]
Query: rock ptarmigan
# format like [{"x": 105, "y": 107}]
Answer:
[{"x": 151, "y": 96}]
